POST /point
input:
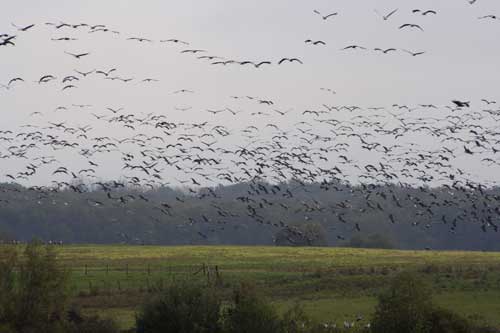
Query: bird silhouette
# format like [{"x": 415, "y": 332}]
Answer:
[
  {"x": 78, "y": 56},
  {"x": 317, "y": 42},
  {"x": 140, "y": 39},
  {"x": 386, "y": 50},
  {"x": 325, "y": 17},
  {"x": 424, "y": 12},
  {"x": 354, "y": 47},
  {"x": 386, "y": 17},
  {"x": 25, "y": 28},
  {"x": 290, "y": 60},
  {"x": 411, "y": 25},
  {"x": 492, "y": 17},
  {"x": 414, "y": 53},
  {"x": 461, "y": 104},
  {"x": 177, "y": 41}
]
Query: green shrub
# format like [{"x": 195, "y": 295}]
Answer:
[
  {"x": 445, "y": 321},
  {"x": 36, "y": 295},
  {"x": 7, "y": 291},
  {"x": 77, "y": 323},
  {"x": 43, "y": 289},
  {"x": 251, "y": 313},
  {"x": 181, "y": 309},
  {"x": 405, "y": 308},
  {"x": 93, "y": 325}
]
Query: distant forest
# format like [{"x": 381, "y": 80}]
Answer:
[{"x": 255, "y": 213}]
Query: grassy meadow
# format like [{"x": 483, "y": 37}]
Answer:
[{"x": 332, "y": 284}]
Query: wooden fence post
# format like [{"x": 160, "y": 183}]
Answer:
[{"x": 218, "y": 279}]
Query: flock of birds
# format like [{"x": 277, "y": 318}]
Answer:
[{"x": 416, "y": 146}]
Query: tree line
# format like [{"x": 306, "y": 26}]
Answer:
[{"x": 386, "y": 216}]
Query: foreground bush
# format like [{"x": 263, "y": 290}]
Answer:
[
  {"x": 181, "y": 309},
  {"x": 33, "y": 298},
  {"x": 7, "y": 292},
  {"x": 192, "y": 309},
  {"x": 445, "y": 321},
  {"x": 251, "y": 313},
  {"x": 34, "y": 295},
  {"x": 407, "y": 307},
  {"x": 92, "y": 325}
]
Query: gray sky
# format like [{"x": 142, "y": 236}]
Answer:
[{"x": 461, "y": 62}]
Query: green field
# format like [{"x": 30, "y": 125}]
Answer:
[{"x": 332, "y": 284}]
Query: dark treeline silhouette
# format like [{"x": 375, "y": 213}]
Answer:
[{"x": 333, "y": 214}]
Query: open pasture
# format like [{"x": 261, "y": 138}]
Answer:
[{"x": 331, "y": 283}]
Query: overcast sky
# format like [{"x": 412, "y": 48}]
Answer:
[{"x": 461, "y": 59}]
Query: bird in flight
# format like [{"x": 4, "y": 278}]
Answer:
[
  {"x": 210, "y": 57},
  {"x": 84, "y": 74},
  {"x": 461, "y": 104},
  {"x": 106, "y": 73},
  {"x": 14, "y": 80},
  {"x": 290, "y": 60},
  {"x": 183, "y": 108},
  {"x": 386, "y": 17},
  {"x": 325, "y": 17},
  {"x": 411, "y": 25},
  {"x": 114, "y": 111},
  {"x": 386, "y": 50},
  {"x": 68, "y": 87},
  {"x": 183, "y": 91},
  {"x": 66, "y": 39},
  {"x": 414, "y": 53},
  {"x": 328, "y": 90},
  {"x": 224, "y": 62},
  {"x": 488, "y": 102},
  {"x": 493, "y": 17},
  {"x": 193, "y": 51},
  {"x": 247, "y": 62},
  {"x": 177, "y": 41},
  {"x": 26, "y": 28},
  {"x": 78, "y": 56},
  {"x": 262, "y": 63},
  {"x": 354, "y": 47},
  {"x": 318, "y": 42},
  {"x": 7, "y": 40},
  {"x": 46, "y": 78},
  {"x": 424, "y": 13},
  {"x": 139, "y": 39}
]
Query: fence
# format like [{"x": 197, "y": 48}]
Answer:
[{"x": 94, "y": 280}]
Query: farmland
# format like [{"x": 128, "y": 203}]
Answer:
[{"x": 332, "y": 284}]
